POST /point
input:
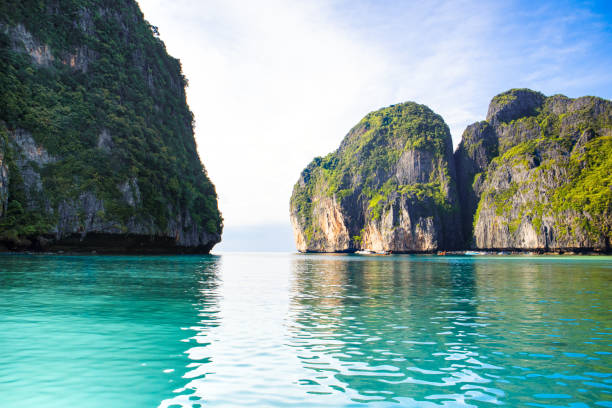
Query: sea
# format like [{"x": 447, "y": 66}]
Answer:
[{"x": 304, "y": 330}]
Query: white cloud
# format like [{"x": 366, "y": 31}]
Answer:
[{"x": 274, "y": 83}]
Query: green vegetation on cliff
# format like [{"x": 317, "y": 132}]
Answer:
[
  {"x": 396, "y": 154},
  {"x": 375, "y": 145},
  {"x": 17, "y": 221},
  {"x": 553, "y": 170},
  {"x": 372, "y": 149},
  {"x": 590, "y": 188},
  {"x": 93, "y": 84}
]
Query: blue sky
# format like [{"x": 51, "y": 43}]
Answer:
[{"x": 274, "y": 83}]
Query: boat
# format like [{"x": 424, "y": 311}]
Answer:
[{"x": 368, "y": 252}]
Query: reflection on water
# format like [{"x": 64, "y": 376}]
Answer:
[
  {"x": 305, "y": 331},
  {"x": 454, "y": 332},
  {"x": 98, "y": 331}
]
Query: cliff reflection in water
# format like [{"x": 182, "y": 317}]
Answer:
[
  {"x": 99, "y": 331},
  {"x": 425, "y": 330},
  {"x": 283, "y": 330}
]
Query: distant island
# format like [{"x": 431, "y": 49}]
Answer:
[
  {"x": 536, "y": 175},
  {"x": 97, "y": 151}
]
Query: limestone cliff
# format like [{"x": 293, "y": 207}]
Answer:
[
  {"x": 96, "y": 139},
  {"x": 537, "y": 174},
  {"x": 390, "y": 186}
]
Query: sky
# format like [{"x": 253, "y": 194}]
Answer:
[{"x": 273, "y": 84}]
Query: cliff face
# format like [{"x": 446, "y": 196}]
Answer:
[
  {"x": 537, "y": 174},
  {"x": 390, "y": 186},
  {"x": 96, "y": 139}
]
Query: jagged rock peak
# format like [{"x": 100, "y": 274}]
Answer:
[
  {"x": 514, "y": 104},
  {"x": 537, "y": 174}
]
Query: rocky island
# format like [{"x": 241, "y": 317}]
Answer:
[
  {"x": 97, "y": 150},
  {"x": 535, "y": 175},
  {"x": 390, "y": 186}
]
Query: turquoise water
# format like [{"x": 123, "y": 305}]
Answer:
[{"x": 280, "y": 330}]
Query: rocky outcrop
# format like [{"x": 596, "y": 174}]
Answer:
[
  {"x": 332, "y": 234},
  {"x": 81, "y": 222},
  {"x": 537, "y": 174},
  {"x": 96, "y": 138},
  {"x": 479, "y": 145},
  {"x": 4, "y": 179},
  {"x": 22, "y": 40},
  {"x": 390, "y": 186},
  {"x": 512, "y": 105}
]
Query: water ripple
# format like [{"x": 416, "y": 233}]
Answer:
[{"x": 268, "y": 330}]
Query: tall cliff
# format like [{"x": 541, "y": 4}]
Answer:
[
  {"x": 390, "y": 186},
  {"x": 96, "y": 139},
  {"x": 537, "y": 174}
]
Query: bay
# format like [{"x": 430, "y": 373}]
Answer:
[{"x": 289, "y": 330}]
